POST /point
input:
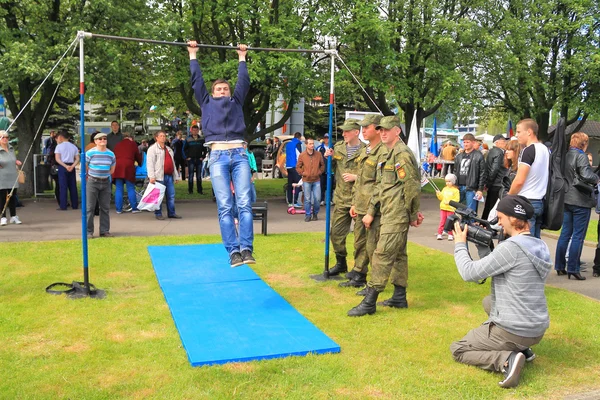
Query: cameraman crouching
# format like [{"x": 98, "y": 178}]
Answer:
[{"x": 518, "y": 314}]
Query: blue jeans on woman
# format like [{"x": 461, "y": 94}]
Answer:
[
  {"x": 312, "y": 196},
  {"x": 227, "y": 166},
  {"x": 130, "y": 194},
  {"x": 169, "y": 196},
  {"x": 575, "y": 224}
]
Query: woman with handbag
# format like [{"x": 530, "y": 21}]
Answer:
[
  {"x": 8, "y": 179},
  {"x": 579, "y": 201}
]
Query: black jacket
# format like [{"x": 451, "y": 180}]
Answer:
[
  {"x": 579, "y": 165},
  {"x": 495, "y": 167},
  {"x": 477, "y": 177}
]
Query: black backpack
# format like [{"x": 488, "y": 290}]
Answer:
[{"x": 557, "y": 185}]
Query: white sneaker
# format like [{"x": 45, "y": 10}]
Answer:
[
  {"x": 439, "y": 237},
  {"x": 450, "y": 238},
  {"x": 3, "y": 221},
  {"x": 15, "y": 220}
]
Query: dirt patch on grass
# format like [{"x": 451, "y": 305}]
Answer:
[
  {"x": 241, "y": 368},
  {"x": 152, "y": 334},
  {"x": 36, "y": 344},
  {"x": 337, "y": 296},
  {"x": 285, "y": 280},
  {"x": 77, "y": 348},
  {"x": 120, "y": 274},
  {"x": 143, "y": 393},
  {"x": 117, "y": 337}
]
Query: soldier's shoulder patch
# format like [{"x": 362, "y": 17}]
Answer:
[{"x": 400, "y": 171}]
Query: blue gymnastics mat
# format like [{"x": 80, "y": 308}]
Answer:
[{"x": 226, "y": 314}]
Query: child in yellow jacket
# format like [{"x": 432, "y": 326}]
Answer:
[{"x": 450, "y": 192}]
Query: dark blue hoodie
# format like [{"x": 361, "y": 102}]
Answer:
[{"x": 223, "y": 117}]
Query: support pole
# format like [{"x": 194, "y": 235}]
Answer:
[
  {"x": 80, "y": 290},
  {"x": 325, "y": 276},
  {"x": 83, "y": 208}
]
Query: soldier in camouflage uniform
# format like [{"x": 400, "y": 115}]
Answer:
[
  {"x": 365, "y": 240},
  {"x": 398, "y": 200},
  {"x": 344, "y": 164}
]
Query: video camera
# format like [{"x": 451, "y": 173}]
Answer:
[{"x": 480, "y": 231}]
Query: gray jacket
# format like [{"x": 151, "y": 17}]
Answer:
[
  {"x": 577, "y": 164},
  {"x": 155, "y": 163},
  {"x": 519, "y": 267},
  {"x": 8, "y": 170}
]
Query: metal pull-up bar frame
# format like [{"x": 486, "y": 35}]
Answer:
[
  {"x": 88, "y": 35},
  {"x": 87, "y": 288}
]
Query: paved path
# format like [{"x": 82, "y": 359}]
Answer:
[{"x": 42, "y": 222}]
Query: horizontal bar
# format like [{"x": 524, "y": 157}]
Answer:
[{"x": 207, "y": 46}]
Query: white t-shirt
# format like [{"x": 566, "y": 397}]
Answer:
[
  {"x": 67, "y": 151},
  {"x": 537, "y": 157}
]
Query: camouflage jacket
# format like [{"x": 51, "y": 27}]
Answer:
[
  {"x": 366, "y": 183},
  {"x": 398, "y": 188},
  {"x": 341, "y": 164}
]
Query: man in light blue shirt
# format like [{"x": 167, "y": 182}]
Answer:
[{"x": 100, "y": 164}]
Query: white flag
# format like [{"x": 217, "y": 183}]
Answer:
[{"x": 413, "y": 139}]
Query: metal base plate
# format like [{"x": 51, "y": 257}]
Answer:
[{"x": 322, "y": 278}]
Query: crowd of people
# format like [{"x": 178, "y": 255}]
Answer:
[
  {"x": 520, "y": 166},
  {"x": 377, "y": 187}
]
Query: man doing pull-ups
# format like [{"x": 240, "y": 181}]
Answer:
[{"x": 224, "y": 127}]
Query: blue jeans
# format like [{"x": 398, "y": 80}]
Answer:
[
  {"x": 228, "y": 166},
  {"x": 467, "y": 197},
  {"x": 130, "y": 194},
  {"x": 195, "y": 166},
  {"x": 535, "y": 223},
  {"x": 169, "y": 195},
  {"x": 312, "y": 196},
  {"x": 575, "y": 223}
]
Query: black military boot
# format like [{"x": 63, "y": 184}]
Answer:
[
  {"x": 398, "y": 299},
  {"x": 359, "y": 280},
  {"x": 367, "y": 306},
  {"x": 339, "y": 267},
  {"x": 362, "y": 292},
  {"x": 352, "y": 274}
]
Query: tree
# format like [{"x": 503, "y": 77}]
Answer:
[
  {"x": 257, "y": 23},
  {"x": 536, "y": 56},
  {"x": 410, "y": 55},
  {"x": 34, "y": 34}
]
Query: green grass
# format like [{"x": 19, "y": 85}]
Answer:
[
  {"x": 265, "y": 189},
  {"x": 127, "y": 346}
]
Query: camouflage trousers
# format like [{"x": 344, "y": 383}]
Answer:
[
  {"x": 365, "y": 242},
  {"x": 390, "y": 261},
  {"x": 340, "y": 228}
]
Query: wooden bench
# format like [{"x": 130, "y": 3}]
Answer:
[{"x": 259, "y": 213}]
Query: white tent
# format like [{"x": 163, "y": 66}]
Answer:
[{"x": 485, "y": 138}]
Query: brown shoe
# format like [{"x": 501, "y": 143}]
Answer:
[
  {"x": 107, "y": 234},
  {"x": 160, "y": 218}
]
